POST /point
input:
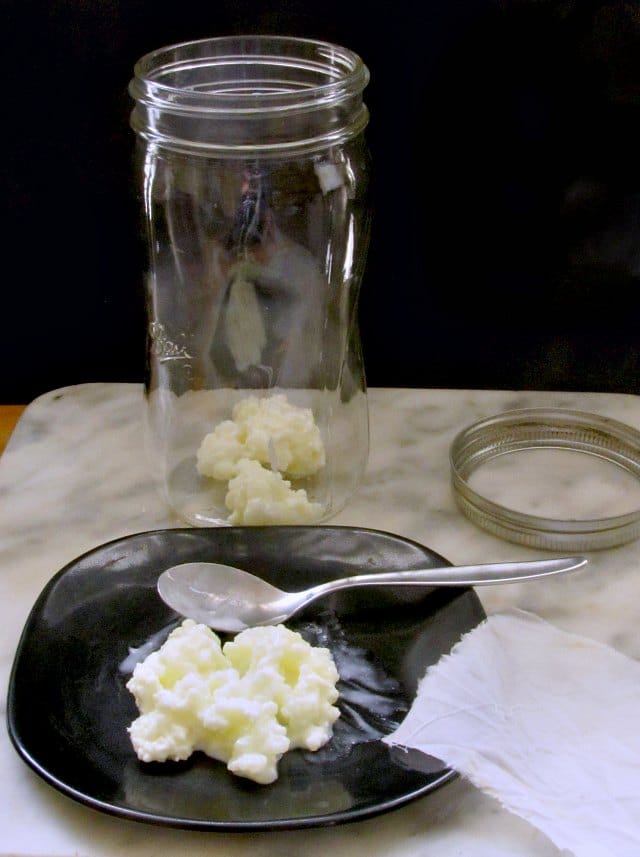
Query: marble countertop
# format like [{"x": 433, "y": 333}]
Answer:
[{"x": 74, "y": 476}]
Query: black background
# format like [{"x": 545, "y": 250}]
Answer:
[{"x": 506, "y": 145}]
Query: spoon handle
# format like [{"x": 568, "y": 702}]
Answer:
[{"x": 458, "y": 575}]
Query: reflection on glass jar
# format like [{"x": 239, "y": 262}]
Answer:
[{"x": 254, "y": 176}]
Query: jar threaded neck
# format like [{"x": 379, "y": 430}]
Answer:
[{"x": 249, "y": 95}]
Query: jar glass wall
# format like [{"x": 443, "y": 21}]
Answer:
[{"x": 254, "y": 176}]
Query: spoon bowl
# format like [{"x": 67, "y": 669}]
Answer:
[{"x": 229, "y": 599}]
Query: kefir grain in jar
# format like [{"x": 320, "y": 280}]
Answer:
[{"x": 254, "y": 182}]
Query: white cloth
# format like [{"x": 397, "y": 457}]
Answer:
[{"x": 546, "y": 722}]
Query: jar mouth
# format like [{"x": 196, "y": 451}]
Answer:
[{"x": 236, "y": 75}]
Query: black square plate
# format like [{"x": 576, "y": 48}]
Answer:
[{"x": 68, "y": 707}]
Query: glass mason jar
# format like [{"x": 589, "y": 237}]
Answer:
[{"x": 254, "y": 176}]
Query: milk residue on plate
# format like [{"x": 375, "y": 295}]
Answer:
[
  {"x": 371, "y": 702},
  {"x": 137, "y": 654}
]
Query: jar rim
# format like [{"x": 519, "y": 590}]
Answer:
[{"x": 335, "y": 74}]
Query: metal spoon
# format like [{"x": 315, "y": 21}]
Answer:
[{"x": 229, "y": 599}]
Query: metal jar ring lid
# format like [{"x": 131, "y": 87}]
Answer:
[{"x": 539, "y": 428}]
